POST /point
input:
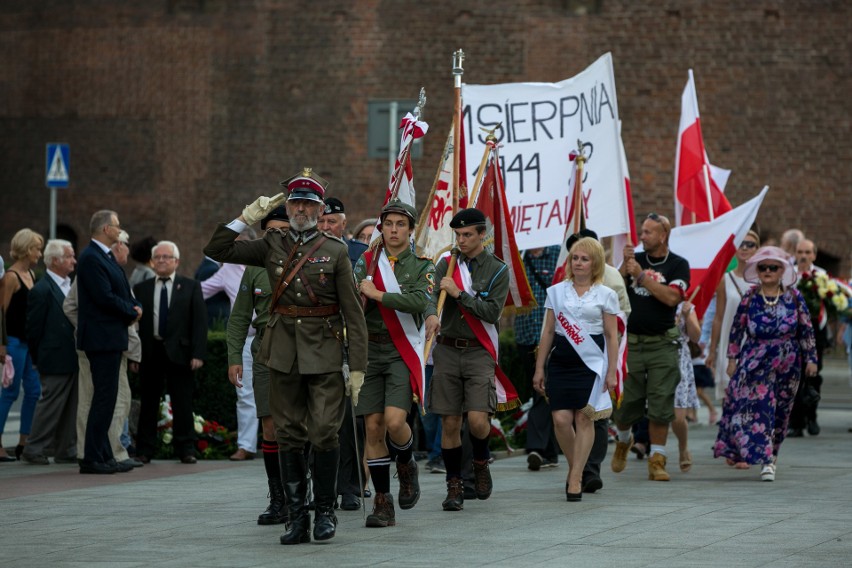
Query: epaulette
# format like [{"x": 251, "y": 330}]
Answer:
[{"x": 333, "y": 238}]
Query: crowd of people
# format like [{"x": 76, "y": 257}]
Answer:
[{"x": 327, "y": 340}]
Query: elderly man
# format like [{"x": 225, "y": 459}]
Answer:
[
  {"x": 173, "y": 330},
  {"x": 51, "y": 339},
  {"x": 657, "y": 280},
  {"x": 305, "y": 342}
]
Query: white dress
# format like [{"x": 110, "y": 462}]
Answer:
[{"x": 735, "y": 288}]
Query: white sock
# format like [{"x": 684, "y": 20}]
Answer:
[
  {"x": 655, "y": 449},
  {"x": 624, "y": 436}
]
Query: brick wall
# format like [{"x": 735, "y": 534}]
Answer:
[{"x": 178, "y": 112}]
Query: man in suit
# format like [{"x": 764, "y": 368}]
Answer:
[
  {"x": 105, "y": 308},
  {"x": 173, "y": 330},
  {"x": 51, "y": 339}
]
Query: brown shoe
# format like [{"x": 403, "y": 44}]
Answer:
[
  {"x": 482, "y": 480},
  {"x": 383, "y": 514},
  {"x": 241, "y": 455},
  {"x": 409, "y": 485},
  {"x": 657, "y": 468},
  {"x": 455, "y": 495},
  {"x": 619, "y": 456}
]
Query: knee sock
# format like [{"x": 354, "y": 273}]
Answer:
[
  {"x": 403, "y": 452},
  {"x": 624, "y": 436},
  {"x": 480, "y": 448},
  {"x": 270, "y": 459},
  {"x": 452, "y": 462},
  {"x": 380, "y": 473}
]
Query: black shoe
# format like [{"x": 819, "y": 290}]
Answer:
[
  {"x": 468, "y": 491},
  {"x": 120, "y": 467},
  {"x": 96, "y": 468},
  {"x": 324, "y": 479},
  {"x": 592, "y": 484},
  {"x": 276, "y": 512},
  {"x": 350, "y": 502},
  {"x": 534, "y": 461},
  {"x": 795, "y": 433},
  {"x": 813, "y": 428},
  {"x": 298, "y": 529},
  {"x": 573, "y": 497},
  {"x": 188, "y": 459},
  {"x": 295, "y": 485}
]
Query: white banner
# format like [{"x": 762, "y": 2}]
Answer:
[{"x": 541, "y": 123}]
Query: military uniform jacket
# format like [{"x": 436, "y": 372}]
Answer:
[
  {"x": 490, "y": 282},
  {"x": 312, "y": 343},
  {"x": 416, "y": 278},
  {"x": 253, "y": 298}
]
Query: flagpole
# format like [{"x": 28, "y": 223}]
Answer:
[
  {"x": 706, "y": 169},
  {"x": 458, "y": 71},
  {"x": 578, "y": 188},
  {"x": 442, "y": 298},
  {"x": 490, "y": 144}
]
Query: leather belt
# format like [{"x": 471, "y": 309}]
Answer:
[
  {"x": 306, "y": 312},
  {"x": 380, "y": 338},
  {"x": 457, "y": 343}
]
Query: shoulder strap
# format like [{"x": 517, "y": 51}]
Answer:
[
  {"x": 285, "y": 281},
  {"x": 734, "y": 282}
]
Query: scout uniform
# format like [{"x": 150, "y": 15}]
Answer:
[
  {"x": 464, "y": 371},
  {"x": 395, "y": 359},
  {"x": 302, "y": 346}
]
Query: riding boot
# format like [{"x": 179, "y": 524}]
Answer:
[
  {"x": 295, "y": 482},
  {"x": 325, "y": 492}
]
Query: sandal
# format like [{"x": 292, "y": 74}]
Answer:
[
  {"x": 685, "y": 461},
  {"x": 768, "y": 472}
]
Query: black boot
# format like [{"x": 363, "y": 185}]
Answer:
[
  {"x": 294, "y": 475},
  {"x": 325, "y": 492},
  {"x": 276, "y": 512}
]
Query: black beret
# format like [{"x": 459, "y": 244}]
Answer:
[
  {"x": 577, "y": 236},
  {"x": 277, "y": 214},
  {"x": 467, "y": 218},
  {"x": 333, "y": 205}
]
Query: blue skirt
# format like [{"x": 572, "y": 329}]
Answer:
[{"x": 569, "y": 381}]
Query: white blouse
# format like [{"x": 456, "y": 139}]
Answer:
[{"x": 588, "y": 309}]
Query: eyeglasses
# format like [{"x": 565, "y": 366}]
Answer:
[
  {"x": 768, "y": 268},
  {"x": 159, "y": 257},
  {"x": 748, "y": 245}
]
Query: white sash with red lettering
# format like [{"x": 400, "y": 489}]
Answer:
[
  {"x": 572, "y": 329},
  {"x": 407, "y": 338}
]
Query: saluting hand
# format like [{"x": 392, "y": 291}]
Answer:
[{"x": 261, "y": 207}]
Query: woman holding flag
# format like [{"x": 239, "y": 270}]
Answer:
[{"x": 579, "y": 349}]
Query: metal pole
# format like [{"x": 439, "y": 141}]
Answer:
[
  {"x": 393, "y": 127},
  {"x": 52, "y": 213}
]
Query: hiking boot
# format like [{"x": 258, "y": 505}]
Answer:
[
  {"x": 455, "y": 495},
  {"x": 656, "y": 468},
  {"x": 409, "y": 486},
  {"x": 482, "y": 480},
  {"x": 383, "y": 514},
  {"x": 619, "y": 457}
]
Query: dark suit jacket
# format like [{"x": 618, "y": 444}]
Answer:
[
  {"x": 218, "y": 305},
  {"x": 186, "y": 330},
  {"x": 104, "y": 303},
  {"x": 49, "y": 332}
]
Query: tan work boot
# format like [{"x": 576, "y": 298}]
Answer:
[
  {"x": 657, "y": 468},
  {"x": 619, "y": 457}
]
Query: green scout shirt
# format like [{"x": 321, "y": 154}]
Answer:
[
  {"x": 490, "y": 282},
  {"x": 254, "y": 296},
  {"x": 416, "y": 278}
]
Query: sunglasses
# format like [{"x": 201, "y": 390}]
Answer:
[
  {"x": 768, "y": 268},
  {"x": 748, "y": 245}
]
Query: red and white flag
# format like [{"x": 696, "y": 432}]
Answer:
[
  {"x": 434, "y": 235},
  {"x": 500, "y": 235},
  {"x": 619, "y": 241},
  {"x": 695, "y": 201},
  {"x": 709, "y": 248},
  {"x": 562, "y": 261}
]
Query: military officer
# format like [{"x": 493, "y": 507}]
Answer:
[
  {"x": 314, "y": 296},
  {"x": 397, "y": 295},
  {"x": 465, "y": 355}
]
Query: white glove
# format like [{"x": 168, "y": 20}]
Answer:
[
  {"x": 356, "y": 381},
  {"x": 261, "y": 208}
]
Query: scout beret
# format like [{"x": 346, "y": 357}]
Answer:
[
  {"x": 306, "y": 185},
  {"x": 397, "y": 206},
  {"x": 577, "y": 236},
  {"x": 333, "y": 205},
  {"x": 467, "y": 218},
  {"x": 277, "y": 214}
]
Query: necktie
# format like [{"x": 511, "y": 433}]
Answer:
[{"x": 164, "y": 309}]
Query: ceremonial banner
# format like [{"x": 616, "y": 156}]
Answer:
[
  {"x": 541, "y": 123},
  {"x": 693, "y": 170}
]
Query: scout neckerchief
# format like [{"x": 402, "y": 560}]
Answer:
[
  {"x": 486, "y": 334},
  {"x": 578, "y": 336},
  {"x": 406, "y": 337}
]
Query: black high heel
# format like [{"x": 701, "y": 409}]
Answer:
[
  {"x": 573, "y": 497},
  {"x": 19, "y": 449}
]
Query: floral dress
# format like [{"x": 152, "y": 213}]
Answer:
[
  {"x": 686, "y": 396},
  {"x": 771, "y": 345}
]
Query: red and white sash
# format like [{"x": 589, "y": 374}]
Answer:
[
  {"x": 407, "y": 338},
  {"x": 486, "y": 334}
]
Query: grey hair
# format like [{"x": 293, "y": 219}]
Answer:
[
  {"x": 176, "y": 251},
  {"x": 55, "y": 249},
  {"x": 101, "y": 219}
]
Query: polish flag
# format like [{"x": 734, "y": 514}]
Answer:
[
  {"x": 562, "y": 261},
  {"x": 693, "y": 171},
  {"x": 710, "y": 246},
  {"x": 619, "y": 241}
]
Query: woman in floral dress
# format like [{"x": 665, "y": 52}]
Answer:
[
  {"x": 771, "y": 341},
  {"x": 686, "y": 396}
]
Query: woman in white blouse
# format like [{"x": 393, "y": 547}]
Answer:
[{"x": 581, "y": 366}]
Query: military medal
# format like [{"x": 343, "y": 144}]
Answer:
[{"x": 323, "y": 280}]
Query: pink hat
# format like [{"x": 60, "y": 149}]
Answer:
[{"x": 789, "y": 277}]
